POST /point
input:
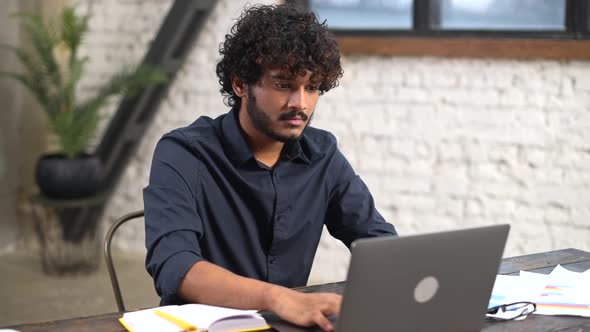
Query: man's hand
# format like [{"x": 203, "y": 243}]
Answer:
[
  {"x": 210, "y": 284},
  {"x": 305, "y": 309}
]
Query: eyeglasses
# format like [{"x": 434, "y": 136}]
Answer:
[{"x": 511, "y": 311}]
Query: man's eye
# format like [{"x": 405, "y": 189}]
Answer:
[
  {"x": 282, "y": 85},
  {"x": 313, "y": 88}
]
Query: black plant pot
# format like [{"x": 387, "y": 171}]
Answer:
[{"x": 64, "y": 178}]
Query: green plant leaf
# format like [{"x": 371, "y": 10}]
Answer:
[
  {"x": 74, "y": 130},
  {"x": 68, "y": 95},
  {"x": 53, "y": 72},
  {"x": 44, "y": 39},
  {"x": 73, "y": 29},
  {"x": 128, "y": 83},
  {"x": 35, "y": 86}
]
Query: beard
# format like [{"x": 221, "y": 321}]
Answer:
[{"x": 263, "y": 123}]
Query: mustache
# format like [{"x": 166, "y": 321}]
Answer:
[{"x": 293, "y": 115}]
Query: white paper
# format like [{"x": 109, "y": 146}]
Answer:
[
  {"x": 202, "y": 315},
  {"x": 147, "y": 321},
  {"x": 506, "y": 290},
  {"x": 566, "y": 293},
  {"x": 199, "y": 315},
  {"x": 562, "y": 292}
]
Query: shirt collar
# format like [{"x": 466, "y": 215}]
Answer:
[
  {"x": 240, "y": 152},
  {"x": 293, "y": 151},
  {"x": 233, "y": 139}
]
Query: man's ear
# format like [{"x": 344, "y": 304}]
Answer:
[{"x": 240, "y": 88}]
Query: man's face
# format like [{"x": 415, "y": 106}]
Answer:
[{"x": 281, "y": 106}]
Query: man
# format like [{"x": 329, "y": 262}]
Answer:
[{"x": 235, "y": 205}]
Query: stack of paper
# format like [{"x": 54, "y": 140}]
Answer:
[
  {"x": 193, "y": 317},
  {"x": 562, "y": 292}
]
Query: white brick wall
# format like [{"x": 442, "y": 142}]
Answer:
[{"x": 442, "y": 143}]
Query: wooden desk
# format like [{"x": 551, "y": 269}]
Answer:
[{"x": 572, "y": 259}]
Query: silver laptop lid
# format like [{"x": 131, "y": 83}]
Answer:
[{"x": 429, "y": 282}]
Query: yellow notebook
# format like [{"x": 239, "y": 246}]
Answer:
[{"x": 193, "y": 317}]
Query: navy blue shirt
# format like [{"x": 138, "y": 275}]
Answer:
[{"x": 209, "y": 199}]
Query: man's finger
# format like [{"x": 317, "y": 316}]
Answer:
[
  {"x": 332, "y": 307},
  {"x": 323, "y": 322}
]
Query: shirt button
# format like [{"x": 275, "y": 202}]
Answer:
[{"x": 273, "y": 260}]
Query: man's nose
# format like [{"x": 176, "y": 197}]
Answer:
[{"x": 298, "y": 99}]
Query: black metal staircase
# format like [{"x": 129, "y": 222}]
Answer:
[{"x": 167, "y": 51}]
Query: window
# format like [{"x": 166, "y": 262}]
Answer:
[
  {"x": 558, "y": 29},
  {"x": 365, "y": 15},
  {"x": 497, "y": 15}
]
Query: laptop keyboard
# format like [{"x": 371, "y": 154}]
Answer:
[{"x": 335, "y": 287}]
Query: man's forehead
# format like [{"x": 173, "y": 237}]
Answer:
[{"x": 286, "y": 74}]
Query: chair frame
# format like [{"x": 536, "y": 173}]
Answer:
[{"x": 109, "y": 258}]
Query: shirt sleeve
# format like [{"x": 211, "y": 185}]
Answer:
[
  {"x": 351, "y": 209},
  {"x": 173, "y": 226}
]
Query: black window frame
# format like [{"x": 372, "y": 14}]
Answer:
[{"x": 577, "y": 25}]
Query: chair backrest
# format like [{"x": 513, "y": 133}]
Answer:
[{"x": 109, "y": 258}]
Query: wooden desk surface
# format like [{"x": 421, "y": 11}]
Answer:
[{"x": 572, "y": 259}]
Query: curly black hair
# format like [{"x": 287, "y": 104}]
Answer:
[{"x": 278, "y": 36}]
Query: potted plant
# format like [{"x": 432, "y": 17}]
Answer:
[{"x": 53, "y": 70}]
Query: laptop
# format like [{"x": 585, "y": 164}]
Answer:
[{"x": 429, "y": 282}]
